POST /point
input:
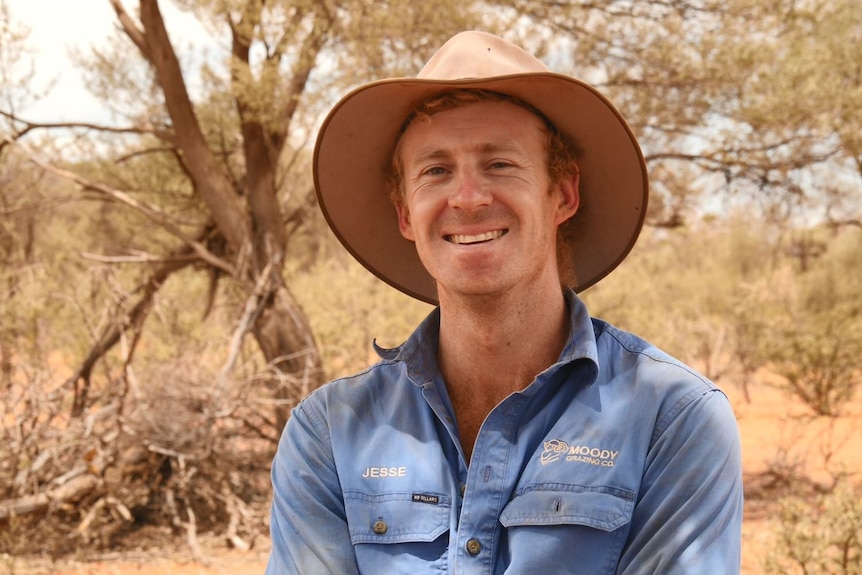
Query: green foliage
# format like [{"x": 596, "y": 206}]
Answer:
[
  {"x": 759, "y": 98},
  {"x": 819, "y": 537},
  {"x": 815, "y": 85},
  {"x": 816, "y": 342},
  {"x": 729, "y": 299},
  {"x": 692, "y": 291},
  {"x": 34, "y": 267}
]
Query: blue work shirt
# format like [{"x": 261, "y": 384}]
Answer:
[{"x": 616, "y": 459}]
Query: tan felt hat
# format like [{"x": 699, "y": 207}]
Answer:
[{"x": 357, "y": 139}]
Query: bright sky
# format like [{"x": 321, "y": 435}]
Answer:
[{"x": 56, "y": 26}]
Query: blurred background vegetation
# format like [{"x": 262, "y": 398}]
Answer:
[{"x": 168, "y": 290}]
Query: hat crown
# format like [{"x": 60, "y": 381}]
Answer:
[{"x": 477, "y": 54}]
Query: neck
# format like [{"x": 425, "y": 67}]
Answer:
[{"x": 498, "y": 345}]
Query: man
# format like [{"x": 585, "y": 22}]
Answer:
[{"x": 511, "y": 433}]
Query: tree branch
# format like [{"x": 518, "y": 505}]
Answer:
[
  {"x": 253, "y": 306},
  {"x": 848, "y": 222},
  {"x": 305, "y": 63},
  {"x": 209, "y": 177},
  {"x": 132, "y": 320},
  {"x": 134, "y": 33},
  {"x": 153, "y": 213},
  {"x": 260, "y": 152},
  {"x": 71, "y": 125},
  {"x": 139, "y": 257}
]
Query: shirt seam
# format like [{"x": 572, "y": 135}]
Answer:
[{"x": 678, "y": 407}]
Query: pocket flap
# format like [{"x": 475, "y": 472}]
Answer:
[
  {"x": 604, "y": 508},
  {"x": 396, "y": 517}
]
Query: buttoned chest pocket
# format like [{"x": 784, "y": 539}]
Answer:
[
  {"x": 398, "y": 532},
  {"x": 556, "y": 529}
]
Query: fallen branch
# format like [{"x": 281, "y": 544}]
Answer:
[
  {"x": 192, "y": 536},
  {"x": 124, "y": 512},
  {"x": 189, "y": 526},
  {"x": 235, "y": 511},
  {"x": 74, "y": 490}
]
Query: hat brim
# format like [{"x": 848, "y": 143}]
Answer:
[{"x": 357, "y": 139}]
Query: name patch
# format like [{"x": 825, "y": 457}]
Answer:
[
  {"x": 385, "y": 472},
  {"x": 426, "y": 498}
]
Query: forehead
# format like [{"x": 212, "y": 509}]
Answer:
[{"x": 486, "y": 125}]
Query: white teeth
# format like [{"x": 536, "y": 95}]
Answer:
[{"x": 475, "y": 239}]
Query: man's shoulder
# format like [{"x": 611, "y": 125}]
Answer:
[
  {"x": 361, "y": 406},
  {"x": 630, "y": 361},
  {"x": 637, "y": 371},
  {"x": 383, "y": 373},
  {"x": 616, "y": 344},
  {"x": 395, "y": 379}
]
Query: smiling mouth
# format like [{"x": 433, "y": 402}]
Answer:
[{"x": 464, "y": 239}]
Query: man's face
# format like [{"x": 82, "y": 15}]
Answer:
[{"x": 477, "y": 199}]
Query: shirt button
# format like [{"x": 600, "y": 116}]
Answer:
[
  {"x": 380, "y": 527},
  {"x": 463, "y": 489},
  {"x": 473, "y": 546}
]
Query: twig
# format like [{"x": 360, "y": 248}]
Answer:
[
  {"x": 84, "y": 125},
  {"x": 253, "y": 305},
  {"x": 234, "y": 511},
  {"x": 85, "y": 523},
  {"x": 190, "y": 526},
  {"x": 121, "y": 509},
  {"x": 192, "y": 536},
  {"x": 170, "y": 453},
  {"x": 88, "y": 519},
  {"x": 70, "y": 475},
  {"x": 137, "y": 257}
]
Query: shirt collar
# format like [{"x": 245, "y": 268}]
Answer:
[
  {"x": 582, "y": 337},
  {"x": 419, "y": 352}
]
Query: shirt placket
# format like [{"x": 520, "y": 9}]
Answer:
[{"x": 490, "y": 481}]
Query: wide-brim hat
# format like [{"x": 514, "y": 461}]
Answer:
[{"x": 354, "y": 149}]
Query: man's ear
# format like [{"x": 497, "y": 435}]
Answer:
[
  {"x": 569, "y": 197},
  {"x": 404, "y": 224}
]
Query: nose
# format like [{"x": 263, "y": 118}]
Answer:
[{"x": 470, "y": 192}]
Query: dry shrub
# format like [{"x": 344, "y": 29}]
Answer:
[
  {"x": 156, "y": 460},
  {"x": 819, "y": 536}
]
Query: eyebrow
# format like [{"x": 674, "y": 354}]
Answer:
[{"x": 488, "y": 147}]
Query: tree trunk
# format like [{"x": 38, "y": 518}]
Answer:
[
  {"x": 249, "y": 219},
  {"x": 284, "y": 335}
]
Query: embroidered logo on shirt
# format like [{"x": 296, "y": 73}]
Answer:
[{"x": 556, "y": 450}]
